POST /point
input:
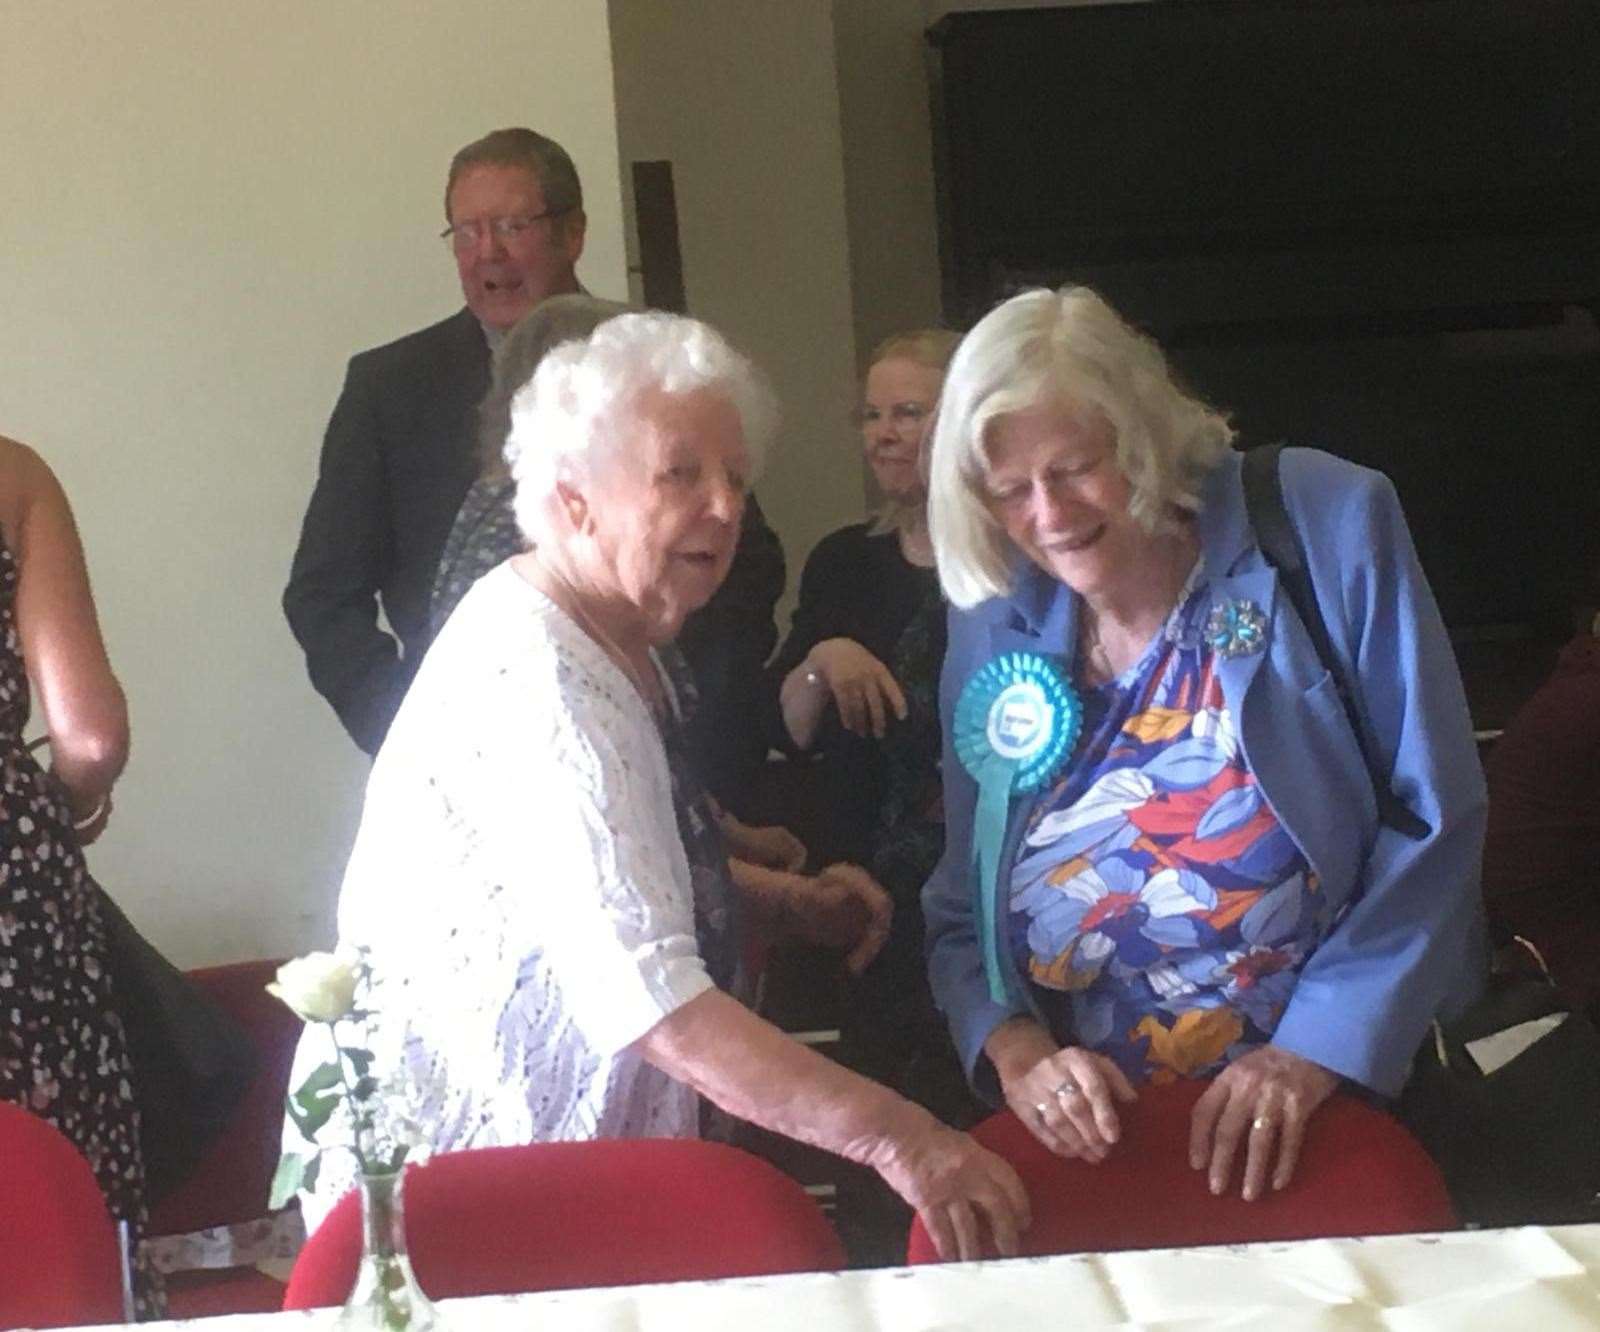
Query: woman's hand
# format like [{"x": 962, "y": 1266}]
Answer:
[
  {"x": 770, "y": 846},
  {"x": 850, "y": 884},
  {"x": 1066, "y": 1097},
  {"x": 843, "y": 907},
  {"x": 1263, "y": 1099},
  {"x": 863, "y": 688},
  {"x": 955, "y": 1184},
  {"x": 752, "y": 1070}
]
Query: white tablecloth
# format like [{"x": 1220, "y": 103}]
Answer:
[{"x": 1538, "y": 1279}]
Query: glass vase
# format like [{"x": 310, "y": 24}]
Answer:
[{"x": 386, "y": 1295}]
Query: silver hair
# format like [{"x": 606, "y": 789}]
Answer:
[
  {"x": 1062, "y": 347},
  {"x": 555, "y": 320},
  {"x": 572, "y": 406}
]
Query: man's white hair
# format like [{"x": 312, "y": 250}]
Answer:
[
  {"x": 577, "y": 402},
  {"x": 1062, "y": 348}
]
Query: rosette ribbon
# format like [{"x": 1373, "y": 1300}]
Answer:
[{"x": 1016, "y": 722}]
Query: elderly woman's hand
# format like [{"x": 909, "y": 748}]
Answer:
[
  {"x": 770, "y": 846},
  {"x": 844, "y": 908},
  {"x": 858, "y": 892},
  {"x": 1263, "y": 1099},
  {"x": 954, "y": 1184},
  {"x": 1066, "y": 1097},
  {"x": 863, "y": 688}
]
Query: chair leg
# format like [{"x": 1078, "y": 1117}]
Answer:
[{"x": 125, "y": 1257}]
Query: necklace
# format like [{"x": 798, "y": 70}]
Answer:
[
  {"x": 569, "y": 601},
  {"x": 1096, "y": 660}
]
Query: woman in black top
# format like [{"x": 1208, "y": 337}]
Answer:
[
  {"x": 837, "y": 692},
  {"x": 857, "y": 684}
]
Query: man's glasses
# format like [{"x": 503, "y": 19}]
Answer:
[{"x": 468, "y": 235}]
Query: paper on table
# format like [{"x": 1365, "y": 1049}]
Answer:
[{"x": 1499, "y": 1049}]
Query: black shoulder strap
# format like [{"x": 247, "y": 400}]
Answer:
[{"x": 1263, "y": 503}]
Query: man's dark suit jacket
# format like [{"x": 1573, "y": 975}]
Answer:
[{"x": 398, "y": 457}]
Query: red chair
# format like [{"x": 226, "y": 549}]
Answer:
[
  {"x": 60, "y": 1264},
  {"x": 554, "y": 1216},
  {"x": 231, "y": 1183},
  {"x": 1360, "y": 1173}
]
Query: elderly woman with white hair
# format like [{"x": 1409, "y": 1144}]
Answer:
[
  {"x": 540, "y": 892},
  {"x": 1166, "y": 856}
]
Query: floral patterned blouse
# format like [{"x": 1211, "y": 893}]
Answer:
[{"x": 1160, "y": 910}]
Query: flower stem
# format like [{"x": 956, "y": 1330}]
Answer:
[{"x": 362, "y": 1159}]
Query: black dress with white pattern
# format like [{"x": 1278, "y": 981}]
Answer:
[{"x": 62, "y": 1051}]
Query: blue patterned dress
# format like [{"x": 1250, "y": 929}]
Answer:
[{"x": 1159, "y": 909}]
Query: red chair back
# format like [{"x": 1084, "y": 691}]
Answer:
[
  {"x": 234, "y": 1177},
  {"x": 1360, "y": 1173},
  {"x": 59, "y": 1260},
  {"x": 555, "y": 1216},
  {"x": 232, "y": 1181}
]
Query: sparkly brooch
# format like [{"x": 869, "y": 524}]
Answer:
[{"x": 1236, "y": 628}]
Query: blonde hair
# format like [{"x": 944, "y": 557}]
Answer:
[{"x": 1066, "y": 346}]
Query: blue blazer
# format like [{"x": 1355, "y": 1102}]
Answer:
[{"x": 1403, "y": 938}]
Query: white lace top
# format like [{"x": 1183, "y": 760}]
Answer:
[{"x": 519, "y": 882}]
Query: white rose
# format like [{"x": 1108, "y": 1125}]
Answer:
[{"x": 319, "y": 986}]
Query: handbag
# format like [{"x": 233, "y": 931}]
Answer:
[
  {"x": 192, "y": 1062},
  {"x": 1517, "y": 1139},
  {"x": 1506, "y": 1097}
]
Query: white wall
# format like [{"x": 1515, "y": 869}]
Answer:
[
  {"x": 741, "y": 97},
  {"x": 888, "y": 166},
  {"x": 210, "y": 206}
]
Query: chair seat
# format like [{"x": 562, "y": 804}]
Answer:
[{"x": 1360, "y": 1173}]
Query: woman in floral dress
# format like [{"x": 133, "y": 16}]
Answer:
[
  {"x": 62, "y": 1050},
  {"x": 1165, "y": 856}
]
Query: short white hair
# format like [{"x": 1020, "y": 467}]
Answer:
[
  {"x": 570, "y": 408},
  {"x": 1066, "y": 347}
]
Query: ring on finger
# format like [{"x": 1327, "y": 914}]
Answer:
[
  {"x": 1262, "y": 1123},
  {"x": 1041, "y": 1109},
  {"x": 1069, "y": 1089}
]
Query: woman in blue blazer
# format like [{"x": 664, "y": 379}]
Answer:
[{"x": 1164, "y": 855}]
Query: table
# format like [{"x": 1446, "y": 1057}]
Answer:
[{"x": 1547, "y": 1279}]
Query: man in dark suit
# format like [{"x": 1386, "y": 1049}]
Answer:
[{"x": 399, "y": 456}]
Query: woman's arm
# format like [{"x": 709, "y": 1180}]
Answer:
[
  {"x": 752, "y": 1070},
  {"x": 1411, "y": 941},
  {"x": 83, "y": 706}
]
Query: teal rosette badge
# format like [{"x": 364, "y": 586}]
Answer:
[{"x": 1016, "y": 722}]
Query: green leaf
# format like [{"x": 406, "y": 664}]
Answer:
[
  {"x": 318, "y": 1114},
  {"x": 289, "y": 1178},
  {"x": 364, "y": 1088},
  {"x": 323, "y": 1078},
  {"x": 313, "y": 1169},
  {"x": 360, "y": 1060},
  {"x": 397, "y": 1158},
  {"x": 312, "y": 1106}
]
